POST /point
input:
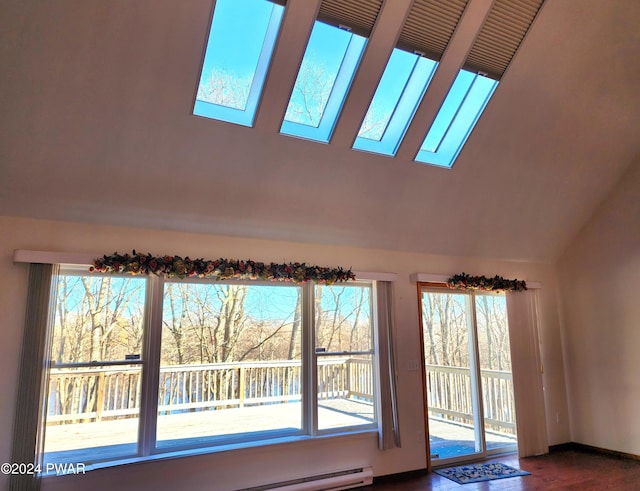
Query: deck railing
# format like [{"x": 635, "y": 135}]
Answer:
[
  {"x": 449, "y": 396},
  {"x": 96, "y": 393}
]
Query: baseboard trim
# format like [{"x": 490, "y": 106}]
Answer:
[
  {"x": 401, "y": 476},
  {"x": 581, "y": 447},
  {"x": 562, "y": 447}
]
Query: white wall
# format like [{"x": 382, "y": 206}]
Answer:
[
  {"x": 230, "y": 470},
  {"x": 599, "y": 275}
]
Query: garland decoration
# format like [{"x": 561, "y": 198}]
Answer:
[
  {"x": 220, "y": 269},
  {"x": 464, "y": 281}
]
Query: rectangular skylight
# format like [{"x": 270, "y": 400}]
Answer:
[
  {"x": 461, "y": 109},
  {"x": 400, "y": 90},
  {"x": 238, "y": 53},
  {"x": 326, "y": 72}
]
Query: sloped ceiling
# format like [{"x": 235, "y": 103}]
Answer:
[{"x": 96, "y": 126}]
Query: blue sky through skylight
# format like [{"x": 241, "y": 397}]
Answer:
[
  {"x": 326, "y": 72},
  {"x": 400, "y": 90},
  {"x": 238, "y": 53},
  {"x": 460, "y": 110}
]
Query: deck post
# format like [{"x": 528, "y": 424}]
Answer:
[
  {"x": 349, "y": 377},
  {"x": 100, "y": 396},
  {"x": 242, "y": 385}
]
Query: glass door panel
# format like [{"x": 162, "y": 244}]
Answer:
[
  {"x": 451, "y": 384},
  {"x": 495, "y": 370}
]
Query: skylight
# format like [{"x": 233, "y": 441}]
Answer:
[
  {"x": 460, "y": 110},
  {"x": 400, "y": 90},
  {"x": 239, "y": 49},
  {"x": 243, "y": 37},
  {"x": 326, "y": 72}
]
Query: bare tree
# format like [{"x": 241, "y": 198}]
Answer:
[
  {"x": 294, "y": 341},
  {"x": 105, "y": 304},
  {"x": 342, "y": 318},
  {"x": 310, "y": 93},
  {"x": 225, "y": 88},
  {"x": 428, "y": 321},
  {"x": 355, "y": 335},
  {"x": 493, "y": 326},
  {"x": 97, "y": 318},
  {"x": 174, "y": 321},
  {"x": 204, "y": 322},
  {"x": 374, "y": 123}
]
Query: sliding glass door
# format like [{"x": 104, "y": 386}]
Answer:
[
  {"x": 468, "y": 384},
  {"x": 495, "y": 371}
]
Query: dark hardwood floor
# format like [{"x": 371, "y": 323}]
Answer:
[{"x": 571, "y": 468}]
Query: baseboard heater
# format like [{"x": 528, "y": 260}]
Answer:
[{"x": 334, "y": 481}]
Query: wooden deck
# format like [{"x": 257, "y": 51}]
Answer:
[
  {"x": 102, "y": 440},
  {"x": 117, "y": 438},
  {"x": 449, "y": 439},
  {"x": 92, "y": 410}
]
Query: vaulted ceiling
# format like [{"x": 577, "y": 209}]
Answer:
[{"x": 96, "y": 125}]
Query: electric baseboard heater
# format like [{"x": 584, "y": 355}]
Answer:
[{"x": 334, "y": 481}]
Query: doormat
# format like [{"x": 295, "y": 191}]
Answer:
[{"x": 465, "y": 474}]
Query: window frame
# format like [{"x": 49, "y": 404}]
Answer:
[
  {"x": 77, "y": 270},
  {"x": 456, "y": 119},
  {"x": 242, "y": 116},
  {"x": 349, "y": 63},
  {"x": 375, "y": 364},
  {"x": 147, "y": 443},
  {"x": 404, "y": 110}
]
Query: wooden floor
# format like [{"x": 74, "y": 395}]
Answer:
[{"x": 572, "y": 469}]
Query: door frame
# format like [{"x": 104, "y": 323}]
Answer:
[{"x": 475, "y": 368}]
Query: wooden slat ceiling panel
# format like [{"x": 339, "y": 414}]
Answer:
[
  {"x": 358, "y": 15},
  {"x": 501, "y": 35},
  {"x": 430, "y": 25}
]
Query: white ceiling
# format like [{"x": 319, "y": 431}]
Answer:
[{"x": 96, "y": 125}]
